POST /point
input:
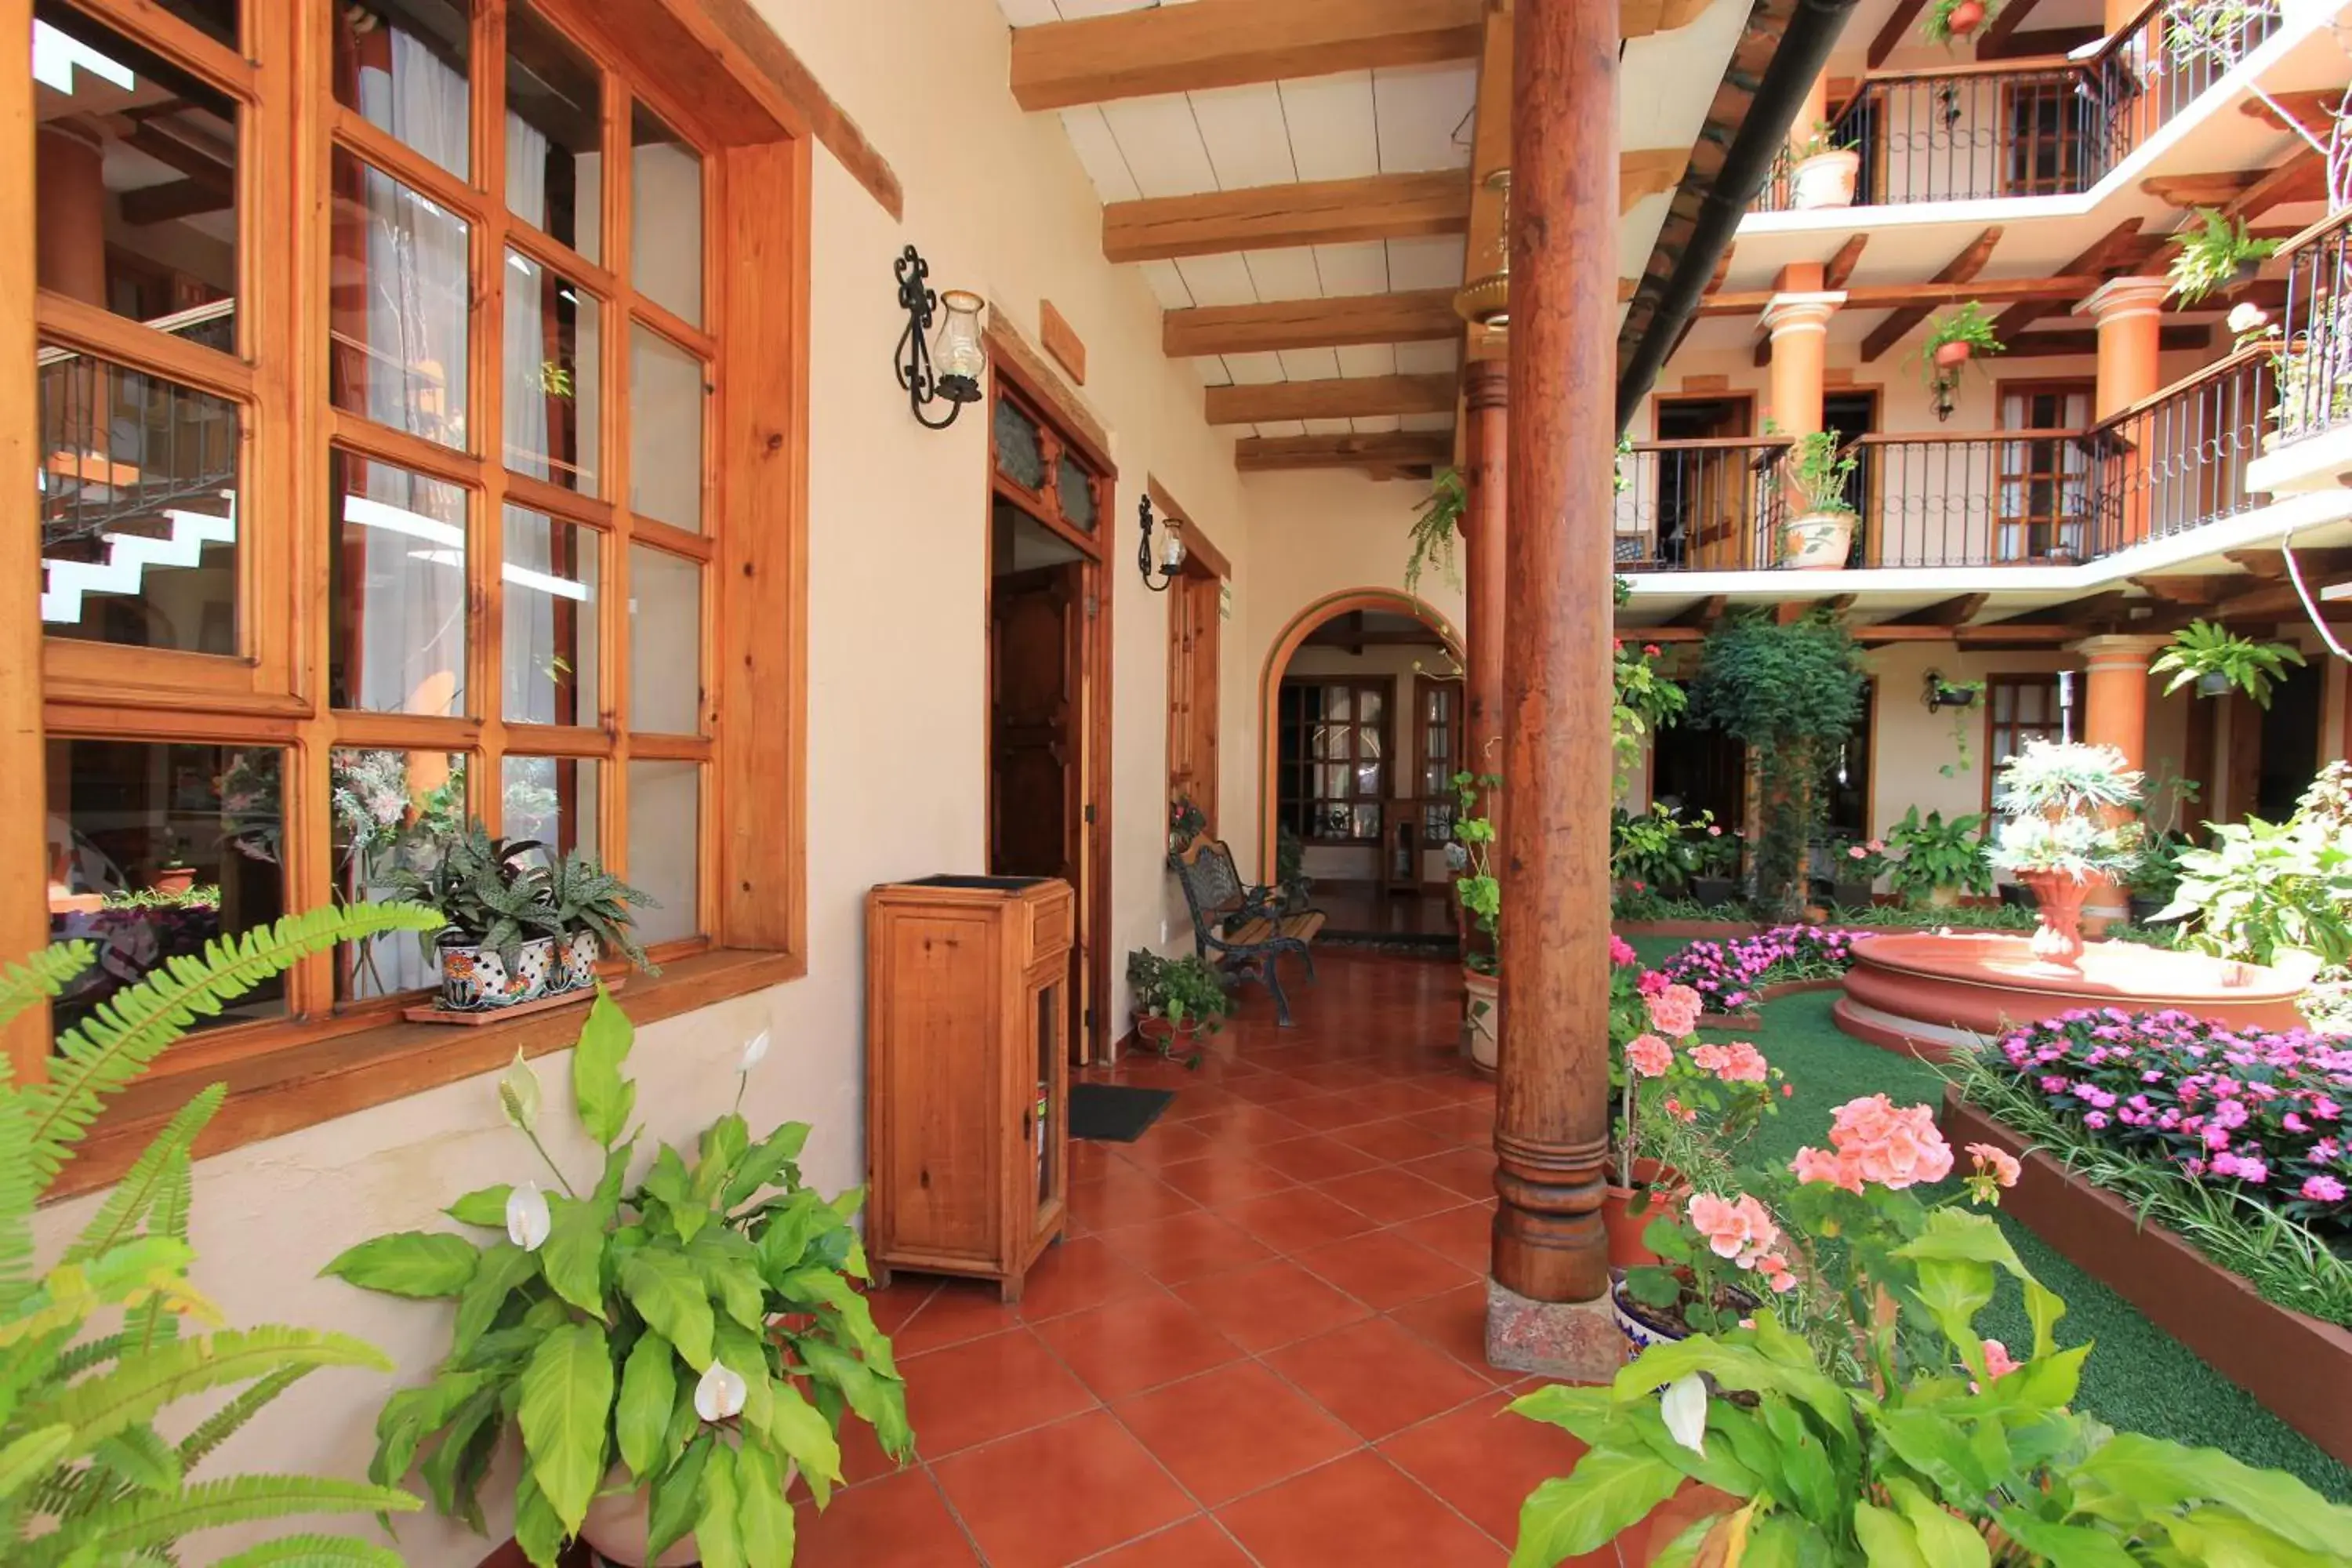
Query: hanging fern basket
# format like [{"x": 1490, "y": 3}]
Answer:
[
  {"x": 1965, "y": 18},
  {"x": 1954, "y": 354}
]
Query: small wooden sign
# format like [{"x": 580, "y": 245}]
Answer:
[{"x": 1062, "y": 340}]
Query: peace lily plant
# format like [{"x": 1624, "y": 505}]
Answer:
[{"x": 696, "y": 1325}]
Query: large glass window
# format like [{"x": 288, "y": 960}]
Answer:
[
  {"x": 1333, "y": 752},
  {"x": 326, "y": 578}
]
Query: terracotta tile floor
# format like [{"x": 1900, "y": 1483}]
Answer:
[{"x": 1262, "y": 1342}]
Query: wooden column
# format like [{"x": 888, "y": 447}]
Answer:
[
  {"x": 1488, "y": 395},
  {"x": 1546, "y": 1304},
  {"x": 69, "y": 228}
]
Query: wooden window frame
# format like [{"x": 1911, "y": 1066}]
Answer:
[
  {"x": 2028, "y": 387},
  {"x": 1359, "y": 685},
  {"x": 1994, "y": 686},
  {"x": 754, "y": 139},
  {"x": 1423, "y": 686}
]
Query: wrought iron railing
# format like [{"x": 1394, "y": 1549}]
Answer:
[
  {"x": 1699, "y": 506},
  {"x": 2020, "y": 497},
  {"x": 2036, "y": 127},
  {"x": 2315, "y": 351},
  {"x": 2178, "y": 460}
]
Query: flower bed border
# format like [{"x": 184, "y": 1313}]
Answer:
[{"x": 2298, "y": 1367}]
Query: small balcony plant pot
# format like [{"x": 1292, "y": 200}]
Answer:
[
  {"x": 1481, "y": 1019},
  {"x": 1952, "y": 355},
  {"x": 618, "y": 1524},
  {"x": 1714, "y": 892},
  {"x": 1825, "y": 180},
  {"x": 1817, "y": 541},
  {"x": 1966, "y": 19},
  {"x": 2058, "y": 939},
  {"x": 173, "y": 880},
  {"x": 1644, "y": 1328}
]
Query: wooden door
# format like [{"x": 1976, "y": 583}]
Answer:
[{"x": 1035, "y": 659}]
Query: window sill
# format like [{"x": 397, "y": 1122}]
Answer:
[{"x": 271, "y": 1093}]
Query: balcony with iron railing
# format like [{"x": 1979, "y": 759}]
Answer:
[
  {"x": 2048, "y": 126},
  {"x": 2170, "y": 464}
]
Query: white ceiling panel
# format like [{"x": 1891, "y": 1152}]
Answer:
[
  {"x": 1376, "y": 424},
  {"x": 1098, "y": 153},
  {"x": 1334, "y": 130},
  {"x": 1427, "y": 359},
  {"x": 1028, "y": 13},
  {"x": 1368, "y": 359},
  {"x": 1222, "y": 279},
  {"x": 1213, "y": 371},
  {"x": 1310, "y": 364},
  {"x": 1246, "y": 140},
  {"x": 1281, "y": 428},
  {"x": 1162, "y": 144},
  {"x": 1168, "y": 285},
  {"x": 1432, "y": 261},
  {"x": 1420, "y": 108},
  {"x": 1284, "y": 274},
  {"x": 1353, "y": 268},
  {"x": 1254, "y": 370},
  {"x": 1073, "y": 9},
  {"x": 1330, "y": 428},
  {"x": 1426, "y": 423}
]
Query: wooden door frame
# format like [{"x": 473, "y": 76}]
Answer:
[{"x": 1090, "y": 920}]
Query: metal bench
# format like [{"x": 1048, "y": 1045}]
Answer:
[{"x": 1243, "y": 930}]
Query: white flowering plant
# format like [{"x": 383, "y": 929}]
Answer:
[{"x": 695, "y": 1333}]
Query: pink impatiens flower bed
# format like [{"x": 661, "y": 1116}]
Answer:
[
  {"x": 2265, "y": 1110},
  {"x": 1730, "y": 976}
]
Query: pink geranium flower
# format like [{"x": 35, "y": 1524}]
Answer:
[
  {"x": 1620, "y": 951},
  {"x": 1738, "y": 1228},
  {"x": 1674, "y": 1011},
  {"x": 1999, "y": 1162},
  {"x": 1649, "y": 1056}
]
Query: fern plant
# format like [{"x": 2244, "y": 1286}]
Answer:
[
  {"x": 2216, "y": 254},
  {"x": 2219, "y": 659},
  {"x": 1434, "y": 529},
  {"x": 93, "y": 1344}
]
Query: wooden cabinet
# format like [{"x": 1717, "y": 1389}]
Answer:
[{"x": 966, "y": 1088}]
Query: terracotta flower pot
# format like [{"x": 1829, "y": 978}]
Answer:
[
  {"x": 1966, "y": 19},
  {"x": 2058, "y": 939},
  {"x": 1664, "y": 1186},
  {"x": 173, "y": 880},
  {"x": 1157, "y": 1030},
  {"x": 1952, "y": 355}
]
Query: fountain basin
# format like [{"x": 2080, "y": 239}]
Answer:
[{"x": 1930, "y": 994}]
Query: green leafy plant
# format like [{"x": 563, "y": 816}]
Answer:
[
  {"x": 1187, "y": 991},
  {"x": 1474, "y": 877},
  {"x": 1938, "y": 26},
  {"x": 2067, "y": 809},
  {"x": 1819, "y": 470},
  {"x": 586, "y": 897},
  {"x": 2218, "y": 659},
  {"x": 2215, "y": 253},
  {"x": 1290, "y": 870},
  {"x": 1821, "y": 140},
  {"x": 1792, "y": 694},
  {"x": 1934, "y": 1445},
  {"x": 695, "y": 1334},
  {"x": 1652, "y": 848},
  {"x": 491, "y": 892},
  {"x": 2263, "y": 888},
  {"x": 97, "y": 1341},
  {"x": 1967, "y": 327},
  {"x": 1930, "y": 853},
  {"x": 1436, "y": 527},
  {"x": 1645, "y": 700}
]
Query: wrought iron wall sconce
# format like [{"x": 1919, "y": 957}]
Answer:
[
  {"x": 1159, "y": 572},
  {"x": 949, "y": 372}
]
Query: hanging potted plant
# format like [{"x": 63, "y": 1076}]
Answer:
[
  {"x": 1434, "y": 529},
  {"x": 499, "y": 948},
  {"x": 1824, "y": 171},
  {"x": 2218, "y": 660},
  {"x": 2063, "y": 807},
  {"x": 1818, "y": 534},
  {"x": 674, "y": 1351},
  {"x": 1957, "y": 336},
  {"x": 1948, "y": 20},
  {"x": 2216, "y": 254},
  {"x": 1471, "y": 856}
]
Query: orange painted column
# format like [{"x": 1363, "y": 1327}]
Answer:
[
  {"x": 1800, "y": 328},
  {"x": 70, "y": 232},
  {"x": 2129, "y": 313},
  {"x": 2115, "y": 713}
]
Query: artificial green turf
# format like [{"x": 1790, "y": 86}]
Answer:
[{"x": 2138, "y": 1378}]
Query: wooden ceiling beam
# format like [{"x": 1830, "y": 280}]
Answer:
[
  {"x": 1233, "y": 43},
  {"x": 1701, "y": 612},
  {"x": 1957, "y": 611},
  {"x": 1267, "y": 218},
  {"x": 2313, "y": 108},
  {"x": 2005, "y": 21},
  {"x": 1849, "y": 256},
  {"x": 1421, "y": 316},
  {"x": 1890, "y": 36},
  {"x": 2208, "y": 190},
  {"x": 1961, "y": 268},
  {"x": 1337, "y": 398},
  {"x": 2301, "y": 177},
  {"x": 2119, "y": 249},
  {"x": 1263, "y": 454}
]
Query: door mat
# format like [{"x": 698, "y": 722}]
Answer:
[{"x": 1113, "y": 1112}]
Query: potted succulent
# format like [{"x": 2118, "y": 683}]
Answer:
[
  {"x": 2219, "y": 659},
  {"x": 1818, "y": 534},
  {"x": 1824, "y": 171},
  {"x": 2216, "y": 253},
  {"x": 2064, "y": 808},
  {"x": 1859, "y": 1417},
  {"x": 594, "y": 914},
  {"x": 1935, "y": 862},
  {"x": 1481, "y": 893},
  {"x": 1176, "y": 998},
  {"x": 1716, "y": 882},
  {"x": 673, "y": 1349},
  {"x": 498, "y": 947},
  {"x": 1950, "y": 19}
]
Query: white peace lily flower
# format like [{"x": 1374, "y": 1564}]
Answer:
[
  {"x": 755, "y": 1052},
  {"x": 1683, "y": 1405},
  {"x": 527, "y": 1220},
  {"x": 2247, "y": 317},
  {"x": 518, "y": 1094},
  {"x": 721, "y": 1393}
]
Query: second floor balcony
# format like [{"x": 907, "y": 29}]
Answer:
[{"x": 2174, "y": 462}]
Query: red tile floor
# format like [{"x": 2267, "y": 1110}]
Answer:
[{"x": 1261, "y": 1341}]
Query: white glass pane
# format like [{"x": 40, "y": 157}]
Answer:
[
  {"x": 552, "y": 801},
  {"x": 664, "y": 642},
  {"x": 665, "y": 828},
  {"x": 397, "y": 302},
  {"x": 556, "y": 134},
  {"x": 666, "y": 229},
  {"x": 401, "y": 64},
  {"x": 552, "y": 604},
  {"x": 397, "y": 615},
  {"x": 552, "y": 353},
  {"x": 391, "y": 809},
  {"x": 665, "y": 394}
]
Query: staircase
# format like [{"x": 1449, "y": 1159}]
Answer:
[{"x": 128, "y": 556}]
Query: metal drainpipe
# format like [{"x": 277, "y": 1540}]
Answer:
[{"x": 1804, "y": 50}]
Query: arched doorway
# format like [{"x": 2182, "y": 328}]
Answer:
[{"x": 1366, "y": 669}]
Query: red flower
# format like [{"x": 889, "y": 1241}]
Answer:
[{"x": 1649, "y": 649}]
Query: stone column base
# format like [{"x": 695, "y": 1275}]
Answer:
[{"x": 1575, "y": 1342}]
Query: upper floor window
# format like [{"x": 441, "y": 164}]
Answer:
[{"x": 370, "y": 507}]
